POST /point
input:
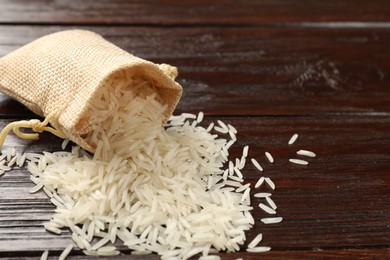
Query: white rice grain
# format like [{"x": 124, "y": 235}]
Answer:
[
  {"x": 238, "y": 172},
  {"x": 245, "y": 151},
  {"x": 272, "y": 220},
  {"x": 107, "y": 253},
  {"x": 36, "y": 188},
  {"x": 242, "y": 188},
  {"x": 200, "y": 117},
  {"x": 223, "y": 125},
  {"x": 270, "y": 182},
  {"x": 221, "y": 130},
  {"x": 267, "y": 209},
  {"x": 246, "y": 195},
  {"x": 66, "y": 252},
  {"x": 188, "y": 116},
  {"x": 259, "y": 182},
  {"x": 64, "y": 144},
  {"x": 210, "y": 127},
  {"x": 306, "y": 153},
  {"x": 293, "y": 139},
  {"x": 298, "y": 161},
  {"x": 44, "y": 255},
  {"x": 259, "y": 249},
  {"x": 145, "y": 252},
  {"x": 262, "y": 195},
  {"x": 271, "y": 202},
  {"x": 255, "y": 241},
  {"x": 269, "y": 157},
  {"x": 52, "y": 229},
  {"x": 256, "y": 164}
]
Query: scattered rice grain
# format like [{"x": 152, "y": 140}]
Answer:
[
  {"x": 267, "y": 209},
  {"x": 271, "y": 220},
  {"x": 293, "y": 139},
  {"x": 259, "y": 249},
  {"x": 256, "y": 164},
  {"x": 269, "y": 157},
  {"x": 44, "y": 255},
  {"x": 306, "y": 153},
  {"x": 66, "y": 252},
  {"x": 298, "y": 161},
  {"x": 255, "y": 241}
]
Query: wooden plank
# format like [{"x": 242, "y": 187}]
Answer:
[
  {"x": 299, "y": 255},
  {"x": 254, "y": 70},
  {"x": 169, "y": 12},
  {"x": 338, "y": 201}
]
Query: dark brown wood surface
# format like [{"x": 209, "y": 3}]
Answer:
[
  {"x": 271, "y": 69},
  {"x": 171, "y": 12}
]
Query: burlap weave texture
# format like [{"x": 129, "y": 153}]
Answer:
[{"x": 63, "y": 71}]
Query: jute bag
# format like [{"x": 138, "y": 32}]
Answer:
[{"x": 58, "y": 75}]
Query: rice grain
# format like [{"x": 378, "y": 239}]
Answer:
[
  {"x": 66, "y": 252},
  {"x": 255, "y": 241},
  {"x": 298, "y": 161},
  {"x": 269, "y": 157},
  {"x": 306, "y": 153},
  {"x": 271, "y": 220},
  {"x": 259, "y": 249},
  {"x": 293, "y": 139}
]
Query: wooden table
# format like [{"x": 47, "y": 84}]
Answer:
[{"x": 270, "y": 68}]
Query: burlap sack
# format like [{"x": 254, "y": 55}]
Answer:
[{"x": 56, "y": 76}]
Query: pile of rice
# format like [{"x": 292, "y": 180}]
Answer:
[
  {"x": 164, "y": 188},
  {"x": 157, "y": 189}
]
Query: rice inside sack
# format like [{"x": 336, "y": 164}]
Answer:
[
  {"x": 156, "y": 189},
  {"x": 59, "y": 75}
]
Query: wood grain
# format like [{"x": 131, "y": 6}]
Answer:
[
  {"x": 171, "y": 12},
  {"x": 354, "y": 254},
  {"x": 254, "y": 70},
  {"x": 331, "y": 204},
  {"x": 271, "y": 68}
]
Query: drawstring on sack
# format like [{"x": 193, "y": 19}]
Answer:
[{"x": 36, "y": 125}]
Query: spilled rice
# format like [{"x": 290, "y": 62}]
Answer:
[{"x": 170, "y": 191}]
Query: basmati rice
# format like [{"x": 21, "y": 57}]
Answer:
[
  {"x": 271, "y": 220},
  {"x": 158, "y": 189},
  {"x": 298, "y": 161},
  {"x": 245, "y": 151},
  {"x": 269, "y": 157},
  {"x": 255, "y": 241},
  {"x": 221, "y": 130},
  {"x": 238, "y": 172},
  {"x": 306, "y": 153},
  {"x": 259, "y": 249},
  {"x": 223, "y": 125},
  {"x": 271, "y": 202},
  {"x": 293, "y": 139},
  {"x": 233, "y": 137},
  {"x": 242, "y": 163},
  {"x": 200, "y": 117},
  {"x": 65, "y": 253},
  {"x": 270, "y": 182},
  {"x": 44, "y": 255},
  {"x": 262, "y": 195},
  {"x": 259, "y": 182},
  {"x": 242, "y": 188},
  {"x": 36, "y": 188},
  {"x": 267, "y": 209},
  {"x": 64, "y": 144},
  {"x": 109, "y": 181},
  {"x": 256, "y": 164},
  {"x": 50, "y": 228}
]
